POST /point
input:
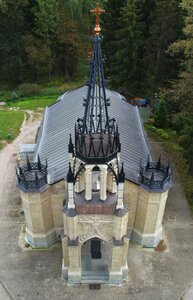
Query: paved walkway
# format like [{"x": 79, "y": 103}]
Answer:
[{"x": 35, "y": 275}]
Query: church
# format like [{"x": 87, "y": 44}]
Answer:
[{"x": 91, "y": 182}]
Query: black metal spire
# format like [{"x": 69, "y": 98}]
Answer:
[
  {"x": 96, "y": 134},
  {"x": 96, "y": 117}
]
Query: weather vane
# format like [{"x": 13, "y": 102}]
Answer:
[{"x": 97, "y": 11}]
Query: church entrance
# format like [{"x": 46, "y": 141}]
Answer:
[{"x": 95, "y": 254}]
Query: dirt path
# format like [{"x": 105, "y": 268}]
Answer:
[{"x": 27, "y": 135}]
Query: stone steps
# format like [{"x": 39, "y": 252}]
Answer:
[{"x": 90, "y": 277}]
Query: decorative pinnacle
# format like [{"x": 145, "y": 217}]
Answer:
[
  {"x": 70, "y": 175},
  {"x": 159, "y": 163},
  {"x": 70, "y": 145},
  {"x": 28, "y": 162},
  {"x": 122, "y": 174},
  {"x": 39, "y": 163},
  {"x": 148, "y": 162},
  {"x": 97, "y": 11}
]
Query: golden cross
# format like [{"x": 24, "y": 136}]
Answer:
[{"x": 97, "y": 11}]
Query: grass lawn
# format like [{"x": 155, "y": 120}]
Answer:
[
  {"x": 10, "y": 122},
  {"x": 32, "y": 103}
]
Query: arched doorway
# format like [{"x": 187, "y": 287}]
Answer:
[
  {"x": 95, "y": 256},
  {"x": 96, "y": 173}
]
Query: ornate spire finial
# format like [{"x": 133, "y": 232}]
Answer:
[{"x": 97, "y": 11}]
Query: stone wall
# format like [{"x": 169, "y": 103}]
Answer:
[{"x": 44, "y": 215}]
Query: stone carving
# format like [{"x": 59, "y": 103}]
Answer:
[{"x": 95, "y": 226}]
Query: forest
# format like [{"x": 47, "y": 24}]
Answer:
[{"x": 148, "y": 48}]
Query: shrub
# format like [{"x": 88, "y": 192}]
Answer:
[
  {"x": 29, "y": 89},
  {"x": 177, "y": 147},
  {"x": 164, "y": 136},
  {"x": 173, "y": 132},
  {"x": 64, "y": 87},
  {"x": 151, "y": 121},
  {"x": 160, "y": 131},
  {"x": 178, "y": 121},
  {"x": 14, "y": 95},
  {"x": 161, "y": 115}
]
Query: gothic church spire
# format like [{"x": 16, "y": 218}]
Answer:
[{"x": 96, "y": 135}]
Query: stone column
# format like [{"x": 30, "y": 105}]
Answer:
[
  {"x": 77, "y": 183},
  {"x": 71, "y": 195},
  {"x": 111, "y": 182},
  {"x": 148, "y": 222},
  {"x": 88, "y": 182},
  {"x": 72, "y": 227},
  {"x": 120, "y": 190},
  {"x": 124, "y": 257},
  {"x": 115, "y": 271},
  {"x": 81, "y": 182},
  {"x": 114, "y": 183},
  {"x": 103, "y": 183},
  {"x": 74, "y": 270},
  {"x": 65, "y": 260},
  {"x": 120, "y": 226}
]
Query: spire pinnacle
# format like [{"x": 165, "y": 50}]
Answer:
[{"x": 97, "y": 11}]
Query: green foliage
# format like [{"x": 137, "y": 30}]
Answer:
[
  {"x": 29, "y": 89},
  {"x": 164, "y": 28},
  {"x": 14, "y": 95},
  {"x": 187, "y": 140},
  {"x": 110, "y": 26},
  {"x": 182, "y": 166},
  {"x": 10, "y": 122},
  {"x": 13, "y": 25},
  {"x": 43, "y": 39},
  {"x": 161, "y": 115},
  {"x": 151, "y": 121},
  {"x": 127, "y": 40},
  {"x": 32, "y": 103},
  {"x": 178, "y": 121},
  {"x": 176, "y": 152},
  {"x": 177, "y": 147},
  {"x": 161, "y": 133},
  {"x": 181, "y": 93}
]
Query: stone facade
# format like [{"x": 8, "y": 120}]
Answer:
[
  {"x": 87, "y": 227},
  {"x": 47, "y": 222},
  {"x": 43, "y": 215}
]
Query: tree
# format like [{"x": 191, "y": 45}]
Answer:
[
  {"x": 69, "y": 45},
  {"x": 125, "y": 66},
  {"x": 110, "y": 25},
  {"x": 37, "y": 58},
  {"x": 46, "y": 18},
  {"x": 161, "y": 114},
  {"x": 164, "y": 29},
  {"x": 180, "y": 93},
  {"x": 187, "y": 140},
  {"x": 13, "y": 26}
]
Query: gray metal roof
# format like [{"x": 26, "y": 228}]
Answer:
[{"x": 58, "y": 123}]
